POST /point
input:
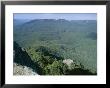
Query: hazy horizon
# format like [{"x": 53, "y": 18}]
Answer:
[
  {"x": 56, "y": 16},
  {"x": 49, "y": 19}
]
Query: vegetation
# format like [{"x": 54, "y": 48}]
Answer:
[{"x": 47, "y": 42}]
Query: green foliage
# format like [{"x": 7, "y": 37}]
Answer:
[{"x": 56, "y": 68}]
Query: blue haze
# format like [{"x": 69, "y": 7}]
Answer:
[{"x": 67, "y": 16}]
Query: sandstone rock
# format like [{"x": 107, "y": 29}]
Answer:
[{"x": 22, "y": 70}]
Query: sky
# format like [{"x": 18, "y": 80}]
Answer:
[{"x": 67, "y": 16}]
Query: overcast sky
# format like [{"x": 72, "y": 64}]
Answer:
[{"x": 67, "y": 16}]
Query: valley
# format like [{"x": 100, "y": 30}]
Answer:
[{"x": 45, "y": 44}]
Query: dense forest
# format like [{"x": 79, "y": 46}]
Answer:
[{"x": 56, "y": 47}]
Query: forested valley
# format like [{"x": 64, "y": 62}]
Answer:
[{"x": 55, "y": 47}]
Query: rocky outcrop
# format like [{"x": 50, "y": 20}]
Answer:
[
  {"x": 68, "y": 62},
  {"x": 22, "y": 70}
]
